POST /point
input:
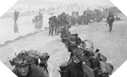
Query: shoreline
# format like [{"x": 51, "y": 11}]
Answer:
[{"x": 19, "y": 38}]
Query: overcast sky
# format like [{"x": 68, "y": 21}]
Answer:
[
  {"x": 50, "y": 3},
  {"x": 88, "y": 2}
]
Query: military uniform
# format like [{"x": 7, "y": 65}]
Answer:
[
  {"x": 51, "y": 25},
  {"x": 77, "y": 55},
  {"x": 35, "y": 71},
  {"x": 16, "y": 15},
  {"x": 25, "y": 66},
  {"x": 64, "y": 33}
]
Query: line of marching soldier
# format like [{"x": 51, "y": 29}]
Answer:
[
  {"x": 84, "y": 61},
  {"x": 56, "y": 23},
  {"x": 65, "y": 20}
]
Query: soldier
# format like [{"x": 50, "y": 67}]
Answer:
[
  {"x": 16, "y": 15},
  {"x": 51, "y": 25},
  {"x": 40, "y": 17},
  {"x": 63, "y": 18},
  {"x": 85, "y": 17},
  {"x": 25, "y": 67},
  {"x": 16, "y": 28},
  {"x": 44, "y": 58},
  {"x": 110, "y": 20},
  {"x": 56, "y": 24},
  {"x": 77, "y": 55},
  {"x": 50, "y": 28},
  {"x": 40, "y": 20},
  {"x": 64, "y": 33}
]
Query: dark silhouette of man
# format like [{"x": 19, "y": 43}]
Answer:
[{"x": 110, "y": 20}]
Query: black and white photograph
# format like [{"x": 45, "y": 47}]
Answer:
[{"x": 63, "y": 38}]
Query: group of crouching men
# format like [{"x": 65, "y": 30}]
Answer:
[{"x": 83, "y": 61}]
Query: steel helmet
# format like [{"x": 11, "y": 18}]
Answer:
[{"x": 22, "y": 59}]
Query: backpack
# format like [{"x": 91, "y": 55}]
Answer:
[
  {"x": 102, "y": 57},
  {"x": 106, "y": 67},
  {"x": 111, "y": 18}
]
